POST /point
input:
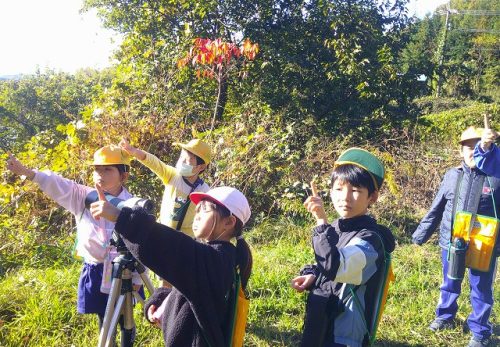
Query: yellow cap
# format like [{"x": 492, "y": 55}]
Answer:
[
  {"x": 471, "y": 133},
  {"x": 111, "y": 155},
  {"x": 198, "y": 148}
]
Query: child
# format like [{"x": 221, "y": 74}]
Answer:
[
  {"x": 111, "y": 170},
  {"x": 176, "y": 210},
  {"x": 474, "y": 194},
  {"x": 201, "y": 271},
  {"x": 349, "y": 255}
]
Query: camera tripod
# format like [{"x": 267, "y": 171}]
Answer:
[{"x": 120, "y": 296}]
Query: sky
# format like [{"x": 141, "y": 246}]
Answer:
[
  {"x": 53, "y": 34},
  {"x": 421, "y": 7}
]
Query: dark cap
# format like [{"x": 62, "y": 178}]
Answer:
[{"x": 365, "y": 160}]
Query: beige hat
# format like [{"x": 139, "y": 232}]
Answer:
[{"x": 471, "y": 133}]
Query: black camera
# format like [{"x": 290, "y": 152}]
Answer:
[{"x": 146, "y": 204}]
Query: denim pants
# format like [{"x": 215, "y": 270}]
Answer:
[{"x": 481, "y": 298}]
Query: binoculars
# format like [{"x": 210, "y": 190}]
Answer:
[{"x": 146, "y": 204}]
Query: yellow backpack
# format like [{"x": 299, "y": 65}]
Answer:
[
  {"x": 478, "y": 231},
  {"x": 238, "y": 321}
]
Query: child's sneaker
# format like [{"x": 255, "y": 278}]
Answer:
[
  {"x": 440, "y": 324},
  {"x": 479, "y": 342}
]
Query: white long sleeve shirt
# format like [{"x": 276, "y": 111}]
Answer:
[{"x": 93, "y": 235}]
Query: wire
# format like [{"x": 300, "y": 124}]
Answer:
[{"x": 478, "y": 30}]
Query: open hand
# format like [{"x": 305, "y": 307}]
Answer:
[{"x": 103, "y": 208}]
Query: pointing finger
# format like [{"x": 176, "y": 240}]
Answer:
[
  {"x": 100, "y": 192},
  {"x": 486, "y": 122},
  {"x": 313, "y": 189}
]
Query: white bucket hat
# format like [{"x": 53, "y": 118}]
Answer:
[{"x": 230, "y": 198}]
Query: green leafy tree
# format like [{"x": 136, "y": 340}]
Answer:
[
  {"x": 40, "y": 102},
  {"x": 470, "y": 52}
]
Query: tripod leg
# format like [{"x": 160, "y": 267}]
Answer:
[
  {"x": 110, "y": 337},
  {"x": 110, "y": 310},
  {"x": 138, "y": 298},
  {"x": 128, "y": 331},
  {"x": 141, "y": 270}
]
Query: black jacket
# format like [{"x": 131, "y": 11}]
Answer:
[
  {"x": 201, "y": 274},
  {"x": 330, "y": 309},
  {"x": 474, "y": 185}
]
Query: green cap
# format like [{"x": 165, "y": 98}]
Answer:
[{"x": 365, "y": 160}]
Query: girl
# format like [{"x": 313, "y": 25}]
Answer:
[
  {"x": 111, "y": 171},
  {"x": 200, "y": 271}
]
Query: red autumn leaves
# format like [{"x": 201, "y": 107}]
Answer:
[{"x": 217, "y": 55}]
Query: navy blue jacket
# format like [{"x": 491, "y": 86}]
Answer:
[
  {"x": 474, "y": 182},
  {"x": 349, "y": 254},
  {"x": 202, "y": 275}
]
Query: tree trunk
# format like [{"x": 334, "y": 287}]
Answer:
[{"x": 221, "y": 99}]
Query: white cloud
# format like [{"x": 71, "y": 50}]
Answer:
[{"x": 51, "y": 34}]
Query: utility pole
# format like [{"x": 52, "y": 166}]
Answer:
[{"x": 441, "y": 51}]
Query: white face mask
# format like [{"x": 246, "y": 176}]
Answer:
[{"x": 183, "y": 169}]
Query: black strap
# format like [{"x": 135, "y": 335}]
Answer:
[
  {"x": 183, "y": 209},
  {"x": 458, "y": 186},
  {"x": 353, "y": 290}
]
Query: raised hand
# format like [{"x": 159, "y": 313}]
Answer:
[
  {"x": 103, "y": 208},
  {"x": 127, "y": 147},
  {"x": 314, "y": 205},
  {"x": 489, "y": 136},
  {"x": 16, "y": 167}
]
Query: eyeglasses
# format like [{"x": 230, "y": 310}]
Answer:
[{"x": 206, "y": 206}]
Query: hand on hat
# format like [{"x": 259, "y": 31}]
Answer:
[
  {"x": 103, "y": 208},
  {"x": 314, "y": 204}
]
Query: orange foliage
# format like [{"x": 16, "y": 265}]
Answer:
[{"x": 217, "y": 55}]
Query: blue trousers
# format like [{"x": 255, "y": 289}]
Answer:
[{"x": 481, "y": 298}]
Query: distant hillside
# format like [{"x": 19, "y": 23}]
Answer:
[{"x": 10, "y": 77}]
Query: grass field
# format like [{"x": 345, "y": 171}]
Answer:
[{"x": 38, "y": 305}]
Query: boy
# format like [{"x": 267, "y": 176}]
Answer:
[
  {"x": 474, "y": 194},
  {"x": 349, "y": 255},
  {"x": 176, "y": 211}
]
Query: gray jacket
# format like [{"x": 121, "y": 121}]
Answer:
[{"x": 474, "y": 186}]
